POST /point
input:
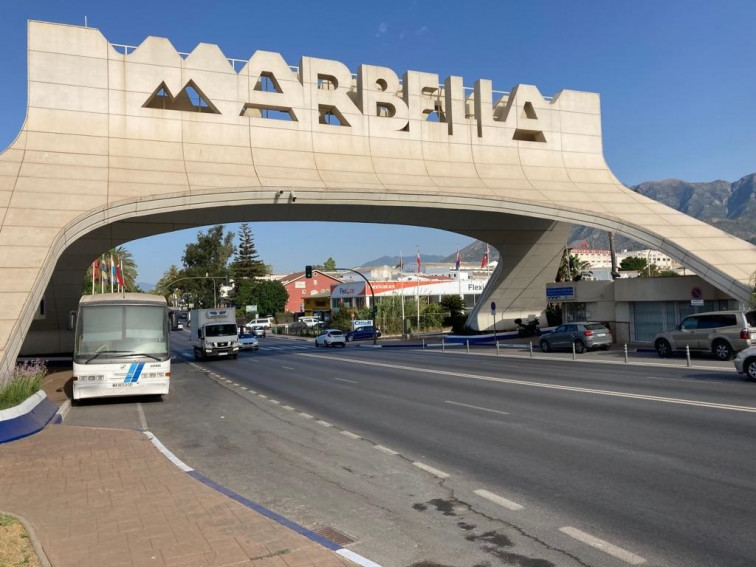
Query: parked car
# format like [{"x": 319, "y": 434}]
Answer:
[
  {"x": 266, "y": 322},
  {"x": 256, "y": 330},
  {"x": 722, "y": 333},
  {"x": 586, "y": 335},
  {"x": 361, "y": 333},
  {"x": 330, "y": 337},
  {"x": 247, "y": 341},
  {"x": 310, "y": 322},
  {"x": 745, "y": 362},
  {"x": 180, "y": 327}
]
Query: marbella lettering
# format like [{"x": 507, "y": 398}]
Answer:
[{"x": 323, "y": 92}]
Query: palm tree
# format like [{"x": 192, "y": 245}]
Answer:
[{"x": 571, "y": 267}]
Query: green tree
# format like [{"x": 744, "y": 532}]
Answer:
[
  {"x": 246, "y": 265},
  {"x": 269, "y": 296},
  {"x": 456, "y": 316},
  {"x": 329, "y": 265},
  {"x": 668, "y": 274},
  {"x": 432, "y": 316},
  {"x": 633, "y": 263},
  {"x": 122, "y": 257},
  {"x": 571, "y": 268},
  {"x": 165, "y": 286},
  {"x": 208, "y": 256}
]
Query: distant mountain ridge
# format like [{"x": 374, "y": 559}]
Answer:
[{"x": 728, "y": 206}]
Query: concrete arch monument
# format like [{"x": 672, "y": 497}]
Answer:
[{"x": 121, "y": 143}]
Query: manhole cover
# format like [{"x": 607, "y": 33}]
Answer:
[{"x": 335, "y": 536}]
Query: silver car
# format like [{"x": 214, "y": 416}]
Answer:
[
  {"x": 745, "y": 362},
  {"x": 583, "y": 336}
]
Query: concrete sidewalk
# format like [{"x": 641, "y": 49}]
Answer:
[{"x": 109, "y": 497}]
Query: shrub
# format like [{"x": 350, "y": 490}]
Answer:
[{"x": 24, "y": 381}]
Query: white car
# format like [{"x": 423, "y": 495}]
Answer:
[
  {"x": 309, "y": 321},
  {"x": 247, "y": 341},
  {"x": 745, "y": 362},
  {"x": 330, "y": 337},
  {"x": 180, "y": 326}
]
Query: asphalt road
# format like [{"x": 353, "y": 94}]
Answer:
[{"x": 654, "y": 461}]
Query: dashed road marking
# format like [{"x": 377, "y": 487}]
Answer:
[
  {"x": 350, "y": 435},
  {"x": 477, "y": 407},
  {"x": 431, "y": 470},
  {"x": 345, "y": 380},
  {"x": 323, "y": 423},
  {"x": 306, "y": 415},
  {"x": 272, "y": 401},
  {"x": 386, "y": 450},
  {"x": 288, "y": 408},
  {"x": 604, "y": 546},
  {"x": 500, "y": 500}
]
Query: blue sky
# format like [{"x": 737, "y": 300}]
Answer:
[{"x": 676, "y": 79}]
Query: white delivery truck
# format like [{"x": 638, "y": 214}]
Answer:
[{"x": 214, "y": 333}]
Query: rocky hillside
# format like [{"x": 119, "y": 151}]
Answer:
[{"x": 729, "y": 206}]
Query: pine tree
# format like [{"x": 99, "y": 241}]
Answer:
[{"x": 247, "y": 265}]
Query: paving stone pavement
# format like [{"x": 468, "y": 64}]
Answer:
[{"x": 107, "y": 497}]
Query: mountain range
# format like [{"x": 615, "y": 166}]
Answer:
[{"x": 728, "y": 206}]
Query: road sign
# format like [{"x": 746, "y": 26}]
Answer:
[
  {"x": 696, "y": 293},
  {"x": 493, "y": 307},
  {"x": 696, "y": 302}
]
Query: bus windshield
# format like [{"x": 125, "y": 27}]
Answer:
[{"x": 105, "y": 332}]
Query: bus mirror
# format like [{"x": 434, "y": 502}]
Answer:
[{"x": 71, "y": 323}]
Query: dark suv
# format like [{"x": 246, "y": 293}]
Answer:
[
  {"x": 722, "y": 333},
  {"x": 362, "y": 333}
]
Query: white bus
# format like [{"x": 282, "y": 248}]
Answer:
[{"x": 122, "y": 346}]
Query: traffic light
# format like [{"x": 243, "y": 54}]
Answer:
[{"x": 308, "y": 271}]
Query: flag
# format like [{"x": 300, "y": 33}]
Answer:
[
  {"x": 401, "y": 262},
  {"x": 112, "y": 273},
  {"x": 484, "y": 261},
  {"x": 103, "y": 270},
  {"x": 96, "y": 270},
  {"x": 458, "y": 259},
  {"x": 119, "y": 274},
  {"x": 418, "y": 259}
]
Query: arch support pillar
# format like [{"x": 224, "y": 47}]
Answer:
[{"x": 529, "y": 259}]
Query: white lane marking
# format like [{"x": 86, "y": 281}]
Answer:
[
  {"x": 678, "y": 401},
  {"x": 306, "y": 415},
  {"x": 604, "y": 546},
  {"x": 272, "y": 401},
  {"x": 345, "y": 380},
  {"x": 500, "y": 500},
  {"x": 358, "y": 559},
  {"x": 287, "y": 367},
  {"x": 244, "y": 388},
  {"x": 171, "y": 457},
  {"x": 288, "y": 408},
  {"x": 431, "y": 470},
  {"x": 252, "y": 392},
  {"x": 235, "y": 384},
  {"x": 351, "y": 435},
  {"x": 386, "y": 450},
  {"x": 142, "y": 418},
  {"x": 262, "y": 396},
  {"x": 476, "y": 407},
  {"x": 324, "y": 423}
]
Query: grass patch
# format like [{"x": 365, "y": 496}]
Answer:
[
  {"x": 15, "y": 547},
  {"x": 24, "y": 381}
]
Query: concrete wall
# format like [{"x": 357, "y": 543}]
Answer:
[{"x": 112, "y": 150}]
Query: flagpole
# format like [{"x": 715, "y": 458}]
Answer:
[
  {"x": 401, "y": 273},
  {"x": 93, "y": 276},
  {"x": 459, "y": 276},
  {"x": 102, "y": 273},
  {"x": 417, "y": 289}
]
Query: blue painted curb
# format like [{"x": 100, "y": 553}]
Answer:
[{"x": 27, "y": 418}]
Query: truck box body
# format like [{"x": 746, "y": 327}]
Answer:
[{"x": 214, "y": 333}]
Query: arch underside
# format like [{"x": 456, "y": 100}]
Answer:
[{"x": 530, "y": 245}]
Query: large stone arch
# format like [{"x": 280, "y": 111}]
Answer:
[{"x": 113, "y": 150}]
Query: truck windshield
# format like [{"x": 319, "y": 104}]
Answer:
[
  {"x": 220, "y": 330},
  {"x": 121, "y": 329}
]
